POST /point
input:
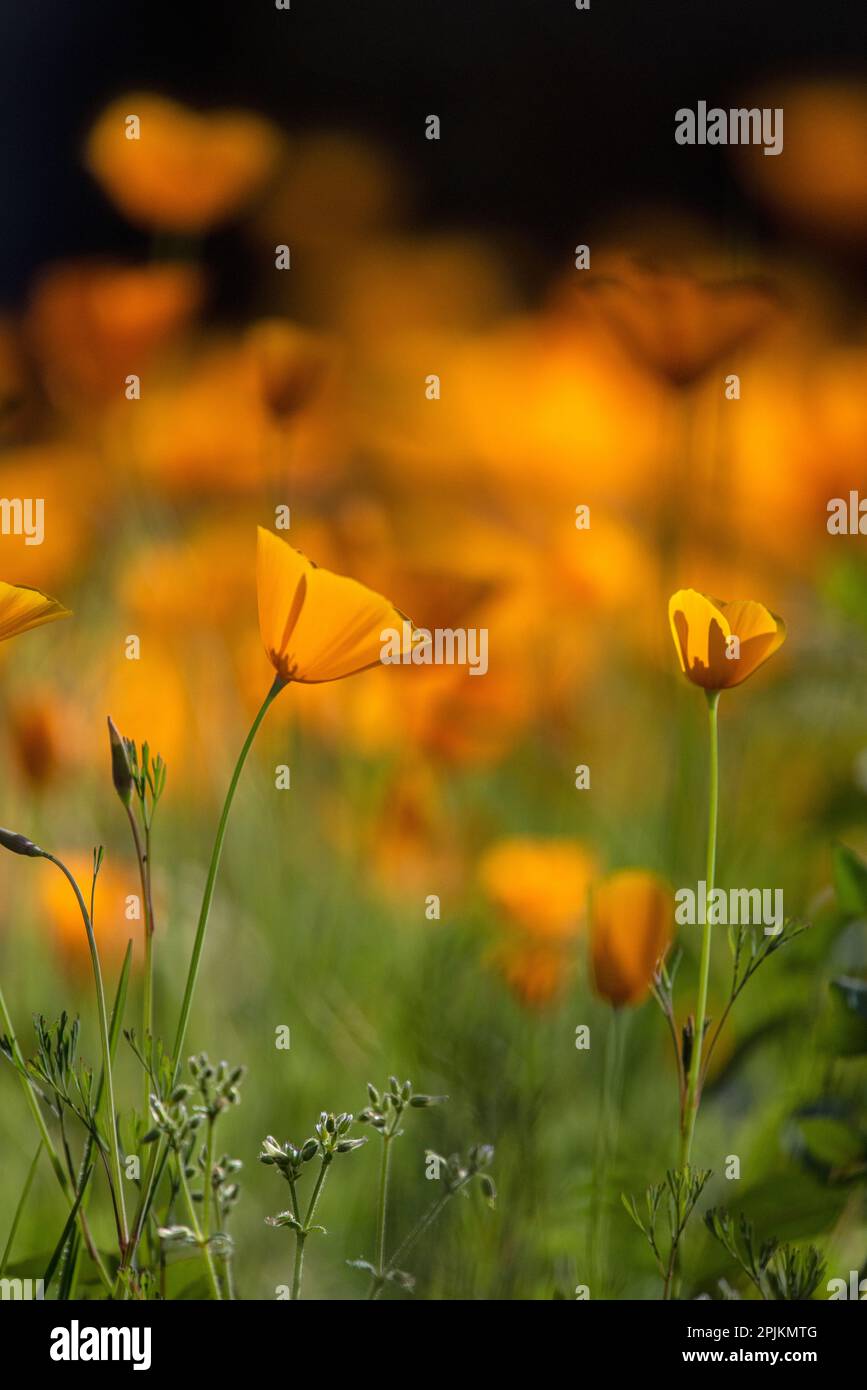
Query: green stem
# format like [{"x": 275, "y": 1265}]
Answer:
[
  {"x": 382, "y": 1216},
  {"x": 606, "y": 1145},
  {"x": 301, "y": 1236},
  {"x": 216, "y": 854},
  {"x": 201, "y": 1239},
  {"x": 157, "y": 1161},
  {"x": 206, "y": 1189},
  {"x": 106, "y": 1052},
  {"x": 22, "y": 1202},
  {"x": 693, "y": 1094},
  {"x": 143, "y": 855}
]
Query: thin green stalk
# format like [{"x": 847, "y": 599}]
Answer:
[
  {"x": 216, "y": 854},
  {"x": 157, "y": 1161},
  {"x": 143, "y": 856},
  {"x": 209, "y": 1168},
  {"x": 22, "y": 1202},
  {"x": 301, "y": 1236},
  {"x": 201, "y": 1239},
  {"x": 693, "y": 1097},
  {"x": 606, "y": 1144},
  {"x": 123, "y": 1231},
  {"x": 382, "y": 1210}
]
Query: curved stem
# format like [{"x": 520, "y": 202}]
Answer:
[
  {"x": 117, "y": 1173},
  {"x": 693, "y": 1094},
  {"x": 216, "y": 854}
]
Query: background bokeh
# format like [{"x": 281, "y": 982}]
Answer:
[{"x": 560, "y": 387}]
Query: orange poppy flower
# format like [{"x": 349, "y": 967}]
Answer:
[
  {"x": 720, "y": 644},
  {"x": 631, "y": 927},
  {"x": 318, "y": 626},
  {"x": 676, "y": 324},
  {"x": 185, "y": 171},
  {"x": 539, "y": 885},
  {"x": 22, "y": 608}
]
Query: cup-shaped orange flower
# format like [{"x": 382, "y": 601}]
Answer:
[
  {"x": 166, "y": 166},
  {"x": 22, "y": 608},
  {"x": 318, "y": 626},
  {"x": 720, "y": 644},
  {"x": 631, "y": 927},
  {"x": 538, "y": 885}
]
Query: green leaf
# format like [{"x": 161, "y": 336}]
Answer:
[
  {"x": 850, "y": 881},
  {"x": 845, "y": 1030}
]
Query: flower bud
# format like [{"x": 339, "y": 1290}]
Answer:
[
  {"x": 121, "y": 773},
  {"x": 19, "y": 844}
]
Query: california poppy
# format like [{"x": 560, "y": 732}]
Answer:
[
  {"x": 318, "y": 626},
  {"x": 720, "y": 644},
  {"x": 22, "y": 608},
  {"x": 177, "y": 169},
  {"x": 539, "y": 885},
  {"x": 631, "y": 922}
]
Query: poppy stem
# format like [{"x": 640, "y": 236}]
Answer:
[
  {"x": 693, "y": 1089},
  {"x": 114, "y": 1144},
  {"x": 216, "y": 854}
]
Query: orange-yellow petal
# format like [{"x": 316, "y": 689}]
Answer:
[
  {"x": 319, "y": 626},
  {"x": 22, "y": 608},
  {"x": 704, "y": 628}
]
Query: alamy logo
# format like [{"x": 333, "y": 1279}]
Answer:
[
  {"x": 23, "y": 516},
  {"x": 25, "y": 1289},
  {"x": 75, "y": 1343},
  {"x": 737, "y": 126},
  {"x": 855, "y": 1289},
  {"x": 444, "y": 646},
  {"x": 739, "y": 907}
]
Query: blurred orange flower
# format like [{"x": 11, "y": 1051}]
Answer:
[
  {"x": 35, "y": 730},
  {"x": 535, "y": 973},
  {"x": 631, "y": 927},
  {"x": 676, "y": 324},
  {"x": 819, "y": 182},
  {"x": 318, "y": 626},
  {"x": 720, "y": 644},
  {"x": 289, "y": 362},
  {"x": 90, "y": 324},
  {"x": 538, "y": 885},
  {"x": 178, "y": 170}
]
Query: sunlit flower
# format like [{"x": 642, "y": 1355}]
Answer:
[
  {"x": 22, "y": 608},
  {"x": 720, "y": 644},
  {"x": 631, "y": 925},
  {"x": 318, "y": 626},
  {"x": 540, "y": 886},
  {"x": 185, "y": 171}
]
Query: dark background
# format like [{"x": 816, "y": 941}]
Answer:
[{"x": 550, "y": 115}]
